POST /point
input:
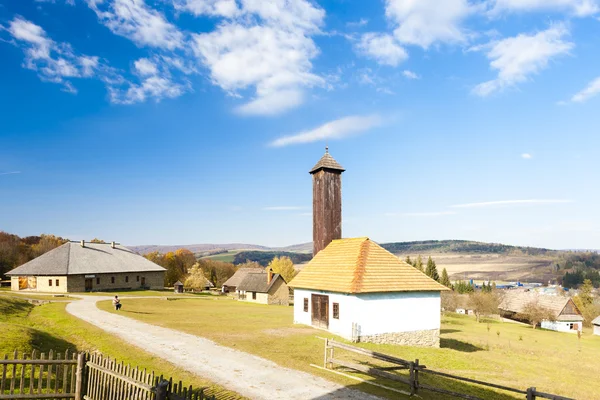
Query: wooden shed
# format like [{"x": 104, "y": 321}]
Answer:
[{"x": 178, "y": 286}]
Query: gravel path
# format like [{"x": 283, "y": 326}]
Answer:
[{"x": 248, "y": 375}]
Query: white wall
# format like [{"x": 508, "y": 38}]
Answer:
[
  {"x": 560, "y": 326},
  {"x": 596, "y": 329},
  {"x": 376, "y": 313}
]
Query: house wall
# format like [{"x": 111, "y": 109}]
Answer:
[
  {"x": 279, "y": 294},
  {"x": 410, "y": 318},
  {"x": 76, "y": 283},
  {"x": 561, "y": 326},
  {"x": 596, "y": 329}
]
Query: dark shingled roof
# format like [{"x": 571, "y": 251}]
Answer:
[
  {"x": 258, "y": 283},
  {"x": 516, "y": 301},
  {"x": 240, "y": 274},
  {"x": 94, "y": 258},
  {"x": 327, "y": 162}
]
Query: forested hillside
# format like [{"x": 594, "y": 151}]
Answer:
[
  {"x": 462, "y": 246},
  {"x": 265, "y": 257},
  {"x": 15, "y": 251}
]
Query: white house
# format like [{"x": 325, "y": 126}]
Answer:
[
  {"x": 596, "y": 325},
  {"x": 360, "y": 291},
  {"x": 566, "y": 317}
]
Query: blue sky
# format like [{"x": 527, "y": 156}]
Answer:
[{"x": 196, "y": 121}]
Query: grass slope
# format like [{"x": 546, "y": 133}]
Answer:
[
  {"x": 25, "y": 327},
  {"x": 518, "y": 357}
]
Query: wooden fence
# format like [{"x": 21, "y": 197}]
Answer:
[
  {"x": 414, "y": 369},
  {"x": 85, "y": 376}
]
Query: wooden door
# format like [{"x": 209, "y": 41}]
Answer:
[
  {"x": 143, "y": 281},
  {"x": 89, "y": 284},
  {"x": 320, "y": 311}
]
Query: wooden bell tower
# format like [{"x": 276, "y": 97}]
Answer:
[{"x": 327, "y": 202}]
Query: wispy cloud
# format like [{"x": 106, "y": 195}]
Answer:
[
  {"x": 517, "y": 58},
  {"x": 383, "y": 48},
  {"x": 512, "y": 203},
  {"x": 10, "y": 173},
  {"x": 422, "y": 214},
  {"x": 591, "y": 90},
  {"x": 283, "y": 208},
  {"x": 410, "y": 75},
  {"x": 357, "y": 24},
  {"x": 526, "y": 156},
  {"x": 337, "y": 129}
]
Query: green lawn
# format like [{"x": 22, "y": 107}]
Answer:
[
  {"x": 518, "y": 357},
  {"x": 25, "y": 327}
]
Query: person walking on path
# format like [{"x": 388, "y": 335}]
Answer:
[{"x": 117, "y": 303}]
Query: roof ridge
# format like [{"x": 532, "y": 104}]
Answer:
[
  {"x": 68, "y": 257},
  {"x": 361, "y": 262}
]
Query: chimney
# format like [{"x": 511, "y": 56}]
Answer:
[
  {"x": 327, "y": 201},
  {"x": 269, "y": 276},
  {"x": 82, "y": 243},
  {"x": 112, "y": 244}
]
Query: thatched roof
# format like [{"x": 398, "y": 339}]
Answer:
[
  {"x": 240, "y": 274},
  {"x": 516, "y": 301},
  {"x": 93, "y": 258},
  {"x": 258, "y": 283},
  {"x": 360, "y": 265}
]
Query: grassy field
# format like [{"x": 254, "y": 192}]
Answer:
[
  {"x": 225, "y": 257},
  {"x": 24, "y": 327},
  {"x": 506, "y": 353}
]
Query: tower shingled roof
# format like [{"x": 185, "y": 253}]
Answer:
[{"x": 327, "y": 162}]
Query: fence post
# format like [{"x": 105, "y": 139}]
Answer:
[
  {"x": 325, "y": 357},
  {"x": 531, "y": 393},
  {"x": 412, "y": 378},
  {"x": 79, "y": 377},
  {"x": 161, "y": 390},
  {"x": 416, "y": 369}
]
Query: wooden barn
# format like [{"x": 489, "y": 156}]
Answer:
[
  {"x": 566, "y": 315},
  {"x": 354, "y": 287},
  {"x": 596, "y": 325},
  {"x": 264, "y": 288},
  {"x": 83, "y": 266}
]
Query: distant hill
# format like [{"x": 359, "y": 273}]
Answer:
[
  {"x": 196, "y": 248},
  {"x": 264, "y": 257},
  {"x": 463, "y": 246}
]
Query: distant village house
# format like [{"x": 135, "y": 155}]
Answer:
[
  {"x": 566, "y": 316},
  {"x": 596, "y": 325},
  {"x": 231, "y": 284},
  {"x": 264, "y": 288},
  {"x": 84, "y": 266}
]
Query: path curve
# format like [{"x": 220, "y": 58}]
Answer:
[{"x": 246, "y": 374}]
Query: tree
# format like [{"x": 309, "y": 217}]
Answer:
[
  {"x": 450, "y": 301},
  {"x": 217, "y": 272},
  {"x": 483, "y": 303},
  {"x": 284, "y": 267},
  {"x": 463, "y": 287},
  {"x": 535, "y": 313},
  {"x": 445, "y": 280},
  {"x": 409, "y": 261},
  {"x": 431, "y": 270},
  {"x": 585, "y": 292},
  {"x": 195, "y": 278},
  {"x": 419, "y": 264}
]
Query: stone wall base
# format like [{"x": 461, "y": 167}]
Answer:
[{"x": 427, "y": 338}]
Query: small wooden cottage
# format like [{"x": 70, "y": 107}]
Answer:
[
  {"x": 178, "y": 287},
  {"x": 83, "y": 266},
  {"x": 596, "y": 325},
  {"x": 231, "y": 284},
  {"x": 264, "y": 288},
  {"x": 566, "y": 315},
  {"x": 360, "y": 291}
]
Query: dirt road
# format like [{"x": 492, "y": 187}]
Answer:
[{"x": 248, "y": 375}]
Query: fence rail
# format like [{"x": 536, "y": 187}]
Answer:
[
  {"x": 415, "y": 369},
  {"x": 85, "y": 376}
]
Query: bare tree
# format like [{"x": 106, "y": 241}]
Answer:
[
  {"x": 483, "y": 303},
  {"x": 535, "y": 313}
]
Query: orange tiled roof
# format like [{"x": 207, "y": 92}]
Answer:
[{"x": 360, "y": 265}]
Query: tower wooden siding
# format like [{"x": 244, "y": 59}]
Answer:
[{"x": 327, "y": 208}]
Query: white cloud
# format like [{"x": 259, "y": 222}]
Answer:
[
  {"x": 512, "y": 203},
  {"x": 273, "y": 57},
  {"x": 422, "y": 214},
  {"x": 357, "y": 24},
  {"x": 526, "y": 156},
  {"x": 282, "y": 208},
  {"x": 10, "y": 173},
  {"x": 337, "y": 129},
  {"x": 425, "y": 22},
  {"x": 136, "y": 21},
  {"x": 579, "y": 8},
  {"x": 155, "y": 87},
  {"x": 223, "y": 8},
  {"x": 410, "y": 75},
  {"x": 145, "y": 67},
  {"x": 518, "y": 57},
  {"x": 591, "y": 90},
  {"x": 383, "y": 48}
]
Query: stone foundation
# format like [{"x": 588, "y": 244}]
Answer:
[{"x": 428, "y": 338}]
